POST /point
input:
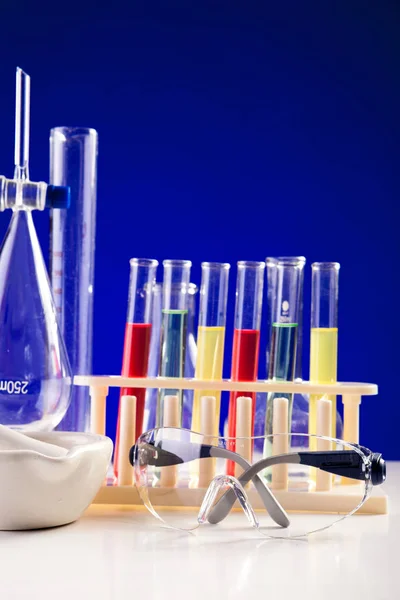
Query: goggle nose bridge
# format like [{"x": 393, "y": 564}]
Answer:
[{"x": 219, "y": 483}]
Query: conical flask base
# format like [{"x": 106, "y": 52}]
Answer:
[{"x": 35, "y": 375}]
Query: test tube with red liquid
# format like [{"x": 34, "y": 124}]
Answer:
[
  {"x": 137, "y": 336},
  {"x": 246, "y": 337}
]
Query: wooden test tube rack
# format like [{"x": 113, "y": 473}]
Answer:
[{"x": 338, "y": 499}]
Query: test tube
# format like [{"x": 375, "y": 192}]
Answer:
[
  {"x": 211, "y": 334},
  {"x": 150, "y": 413},
  {"x": 137, "y": 337},
  {"x": 271, "y": 273},
  {"x": 299, "y": 417},
  {"x": 150, "y": 410},
  {"x": 73, "y": 163},
  {"x": 284, "y": 337},
  {"x": 246, "y": 337},
  {"x": 272, "y": 269},
  {"x": 191, "y": 355},
  {"x": 173, "y": 327},
  {"x": 324, "y": 334}
]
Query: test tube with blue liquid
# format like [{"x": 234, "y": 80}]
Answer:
[
  {"x": 284, "y": 333},
  {"x": 173, "y": 327},
  {"x": 150, "y": 414}
]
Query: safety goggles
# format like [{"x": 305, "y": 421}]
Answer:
[{"x": 292, "y": 486}]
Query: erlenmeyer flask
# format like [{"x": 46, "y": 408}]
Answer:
[{"x": 35, "y": 375}]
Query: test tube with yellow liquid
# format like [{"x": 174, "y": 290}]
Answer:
[
  {"x": 211, "y": 334},
  {"x": 324, "y": 336}
]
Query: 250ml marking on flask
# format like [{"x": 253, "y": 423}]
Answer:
[{"x": 14, "y": 387}]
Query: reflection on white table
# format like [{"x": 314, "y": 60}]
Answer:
[{"x": 120, "y": 552}]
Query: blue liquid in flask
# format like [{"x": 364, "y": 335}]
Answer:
[
  {"x": 35, "y": 375},
  {"x": 173, "y": 352}
]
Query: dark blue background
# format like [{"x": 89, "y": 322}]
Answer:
[{"x": 230, "y": 131}]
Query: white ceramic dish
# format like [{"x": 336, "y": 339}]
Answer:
[{"x": 51, "y": 483}]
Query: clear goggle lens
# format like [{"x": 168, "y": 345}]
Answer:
[{"x": 183, "y": 486}]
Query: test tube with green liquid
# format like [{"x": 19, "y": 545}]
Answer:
[
  {"x": 284, "y": 333},
  {"x": 324, "y": 334},
  {"x": 173, "y": 327}
]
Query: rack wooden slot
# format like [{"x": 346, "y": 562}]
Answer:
[{"x": 339, "y": 499}]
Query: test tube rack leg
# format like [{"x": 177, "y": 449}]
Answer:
[{"x": 339, "y": 499}]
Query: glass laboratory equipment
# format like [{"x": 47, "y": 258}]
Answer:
[
  {"x": 271, "y": 273},
  {"x": 173, "y": 328},
  {"x": 246, "y": 337},
  {"x": 35, "y": 374},
  {"x": 138, "y": 327},
  {"x": 324, "y": 333},
  {"x": 217, "y": 497},
  {"x": 282, "y": 365},
  {"x": 299, "y": 421},
  {"x": 191, "y": 354},
  {"x": 261, "y": 397},
  {"x": 300, "y": 401},
  {"x": 73, "y": 162},
  {"x": 150, "y": 412},
  {"x": 211, "y": 334}
]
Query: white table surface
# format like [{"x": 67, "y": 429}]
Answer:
[{"x": 116, "y": 552}]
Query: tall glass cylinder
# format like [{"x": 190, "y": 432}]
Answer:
[
  {"x": 211, "y": 334},
  {"x": 173, "y": 327},
  {"x": 246, "y": 336},
  {"x": 324, "y": 334},
  {"x": 137, "y": 338},
  {"x": 73, "y": 163},
  {"x": 285, "y": 326}
]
